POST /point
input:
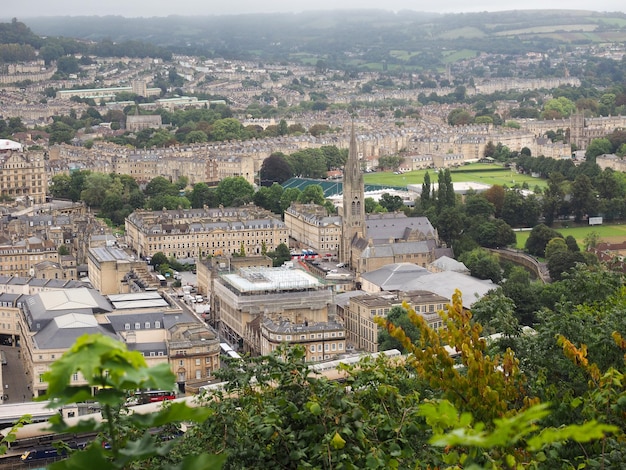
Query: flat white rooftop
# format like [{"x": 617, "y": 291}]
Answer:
[{"x": 271, "y": 279}]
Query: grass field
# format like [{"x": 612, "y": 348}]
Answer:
[
  {"x": 454, "y": 56},
  {"x": 476, "y": 172},
  {"x": 607, "y": 233}
]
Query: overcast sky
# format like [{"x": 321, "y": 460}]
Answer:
[{"x": 129, "y": 8}]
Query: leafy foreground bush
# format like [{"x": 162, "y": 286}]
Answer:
[
  {"x": 423, "y": 411},
  {"x": 125, "y": 439}
]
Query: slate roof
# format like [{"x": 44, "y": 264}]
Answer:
[
  {"x": 394, "y": 249},
  {"x": 63, "y": 331},
  {"x": 396, "y": 226},
  {"x": 408, "y": 277},
  {"x": 446, "y": 263}
]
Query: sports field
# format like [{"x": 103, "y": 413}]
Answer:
[
  {"x": 476, "y": 172},
  {"x": 607, "y": 233}
]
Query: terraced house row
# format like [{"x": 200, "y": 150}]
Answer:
[{"x": 188, "y": 233}]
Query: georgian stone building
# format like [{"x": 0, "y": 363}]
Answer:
[
  {"x": 192, "y": 233},
  {"x": 362, "y": 332},
  {"x": 23, "y": 176},
  {"x": 260, "y": 308},
  {"x": 312, "y": 227}
]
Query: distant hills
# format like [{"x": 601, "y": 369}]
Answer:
[{"x": 351, "y": 38}]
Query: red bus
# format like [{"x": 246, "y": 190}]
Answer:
[{"x": 153, "y": 396}]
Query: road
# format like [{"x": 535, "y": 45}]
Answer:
[{"x": 14, "y": 378}]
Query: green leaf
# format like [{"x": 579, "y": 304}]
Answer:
[
  {"x": 585, "y": 432},
  {"x": 337, "y": 442},
  {"x": 171, "y": 413},
  {"x": 93, "y": 457},
  {"x": 201, "y": 462}
]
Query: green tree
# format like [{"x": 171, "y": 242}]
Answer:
[
  {"x": 539, "y": 238},
  {"x": 312, "y": 194},
  {"x": 280, "y": 255},
  {"x": 584, "y": 197},
  {"x": 391, "y": 203},
  {"x": 557, "y": 108},
  {"x": 553, "y": 197},
  {"x": 275, "y": 169},
  {"x": 459, "y": 117},
  {"x": 96, "y": 186},
  {"x": 60, "y": 133},
  {"x": 196, "y": 137},
  {"x": 399, "y": 317},
  {"x": 495, "y": 234},
  {"x": 234, "y": 191},
  {"x": 308, "y": 163},
  {"x": 160, "y": 186},
  {"x": 202, "y": 195},
  {"x": 495, "y": 195},
  {"x": 477, "y": 206},
  {"x": 60, "y": 186},
  {"x": 158, "y": 259},
  {"x": 425, "y": 196},
  {"x": 482, "y": 264},
  {"x": 289, "y": 196},
  {"x": 598, "y": 147},
  {"x": 496, "y": 313},
  {"x": 107, "y": 365},
  {"x": 227, "y": 129},
  {"x": 555, "y": 247}
]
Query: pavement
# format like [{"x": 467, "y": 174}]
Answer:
[
  {"x": 188, "y": 278},
  {"x": 14, "y": 378}
]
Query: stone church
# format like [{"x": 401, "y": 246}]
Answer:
[{"x": 372, "y": 241}]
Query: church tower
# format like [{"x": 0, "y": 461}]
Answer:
[{"x": 353, "y": 220}]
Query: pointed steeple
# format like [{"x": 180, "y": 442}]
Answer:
[{"x": 353, "y": 221}]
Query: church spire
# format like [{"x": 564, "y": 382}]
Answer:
[{"x": 353, "y": 220}]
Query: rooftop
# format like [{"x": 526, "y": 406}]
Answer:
[{"x": 271, "y": 279}]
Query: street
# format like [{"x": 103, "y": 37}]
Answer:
[{"x": 16, "y": 388}]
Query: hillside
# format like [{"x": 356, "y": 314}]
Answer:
[{"x": 415, "y": 40}]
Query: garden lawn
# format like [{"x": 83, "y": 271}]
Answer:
[
  {"x": 607, "y": 233},
  {"x": 478, "y": 173}
]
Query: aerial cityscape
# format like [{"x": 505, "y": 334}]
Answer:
[{"x": 279, "y": 237}]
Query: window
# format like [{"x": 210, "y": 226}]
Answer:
[
  {"x": 137, "y": 326},
  {"x": 198, "y": 361},
  {"x": 181, "y": 363},
  {"x": 333, "y": 346},
  {"x": 319, "y": 348},
  {"x": 147, "y": 325},
  {"x": 157, "y": 324},
  {"x": 288, "y": 337},
  {"x": 326, "y": 347},
  {"x": 152, "y": 353},
  {"x": 40, "y": 378},
  {"x": 312, "y": 348},
  {"x": 75, "y": 376},
  {"x": 160, "y": 353},
  {"x": 340, "y": 346},
  {"x": 198, "y": 374}
]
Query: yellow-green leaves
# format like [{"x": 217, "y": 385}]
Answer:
[{"x": 337, "y": 442}]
